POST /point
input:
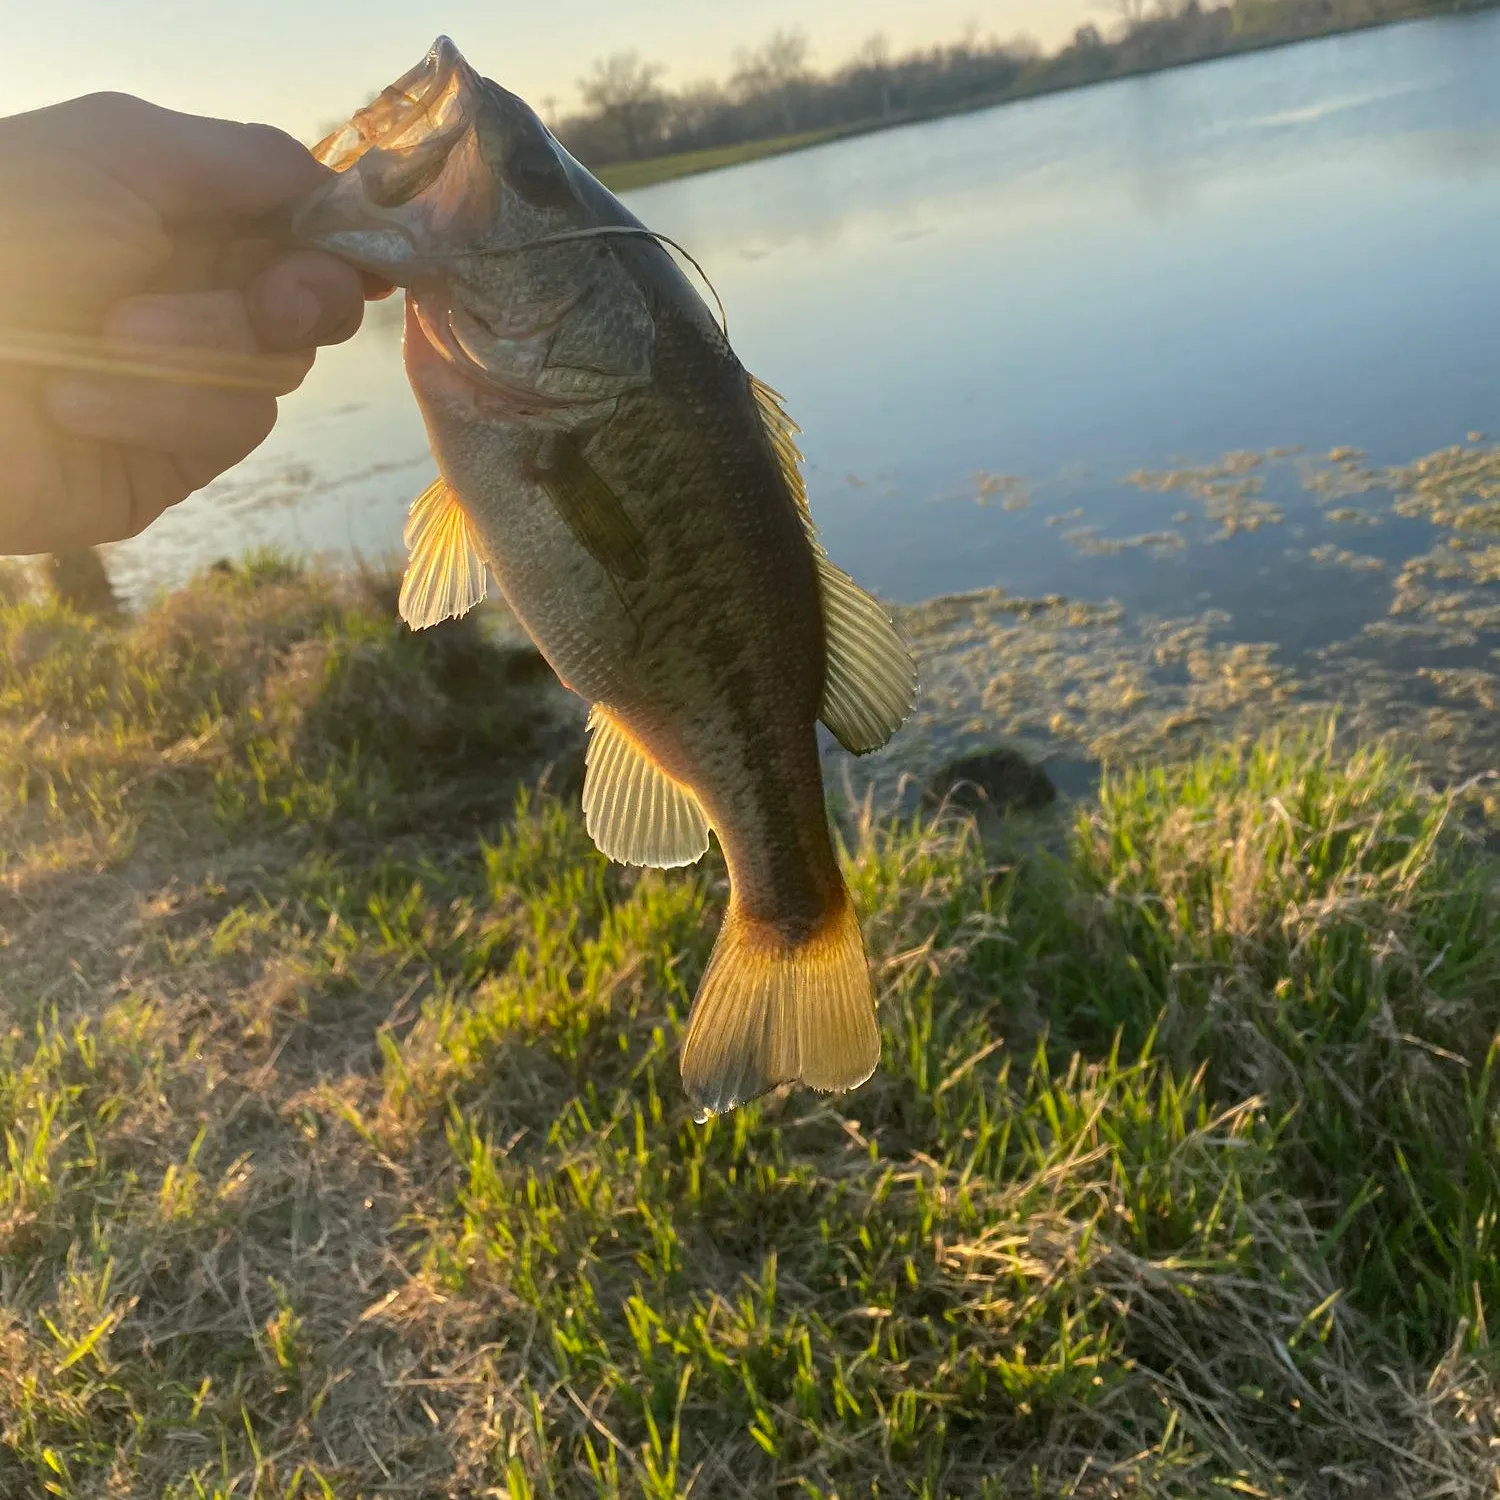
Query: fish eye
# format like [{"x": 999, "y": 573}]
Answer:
[
  {"x": 532, "y": 168},
  {"x": 392, "y": 178}
]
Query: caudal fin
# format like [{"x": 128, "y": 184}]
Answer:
[{"x": 769, "y": 1011}]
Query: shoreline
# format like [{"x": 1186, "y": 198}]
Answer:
[{"x": 626, "y": 177}]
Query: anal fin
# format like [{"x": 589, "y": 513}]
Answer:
[
  {"x": 635, "y": 813},
  {"x": 445, "y": 572}
]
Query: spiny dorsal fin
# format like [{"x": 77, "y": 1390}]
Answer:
[
  {"x": 634, "y": 811},
  {"x": 782, "y": 432},
  {"x": 590, "y": 508},
  {"x": 870, "y": 683},
  {"x": 445, "y": 573}
]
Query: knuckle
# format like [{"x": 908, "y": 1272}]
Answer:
[{"x": 109, "y": 108}]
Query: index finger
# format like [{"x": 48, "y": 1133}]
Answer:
[{"x": 184, "y": 166}]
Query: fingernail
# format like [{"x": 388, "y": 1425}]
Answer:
[{"x": 76, "y": 403}]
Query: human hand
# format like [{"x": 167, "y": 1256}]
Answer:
[{"x": 147, "y": 320}]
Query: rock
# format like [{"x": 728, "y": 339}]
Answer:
[{"x": 1002, "y": 780}]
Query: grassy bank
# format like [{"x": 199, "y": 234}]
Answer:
[
  {"x": 345, "y": 1153},
  {"x": 622, "y": 177}
]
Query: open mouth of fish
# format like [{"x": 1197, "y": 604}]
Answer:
[
  {"x": 430, "y": 100},
  {"x": 388, "y": 157},
  {"x": 397, "y": 147}
]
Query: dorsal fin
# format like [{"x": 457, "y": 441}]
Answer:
[
  {"x": 782, "y": 432},
  {"x": 445, "y": 573},
  {"x": 635, "y": 813},
  {"x": 870, "y": 681}
]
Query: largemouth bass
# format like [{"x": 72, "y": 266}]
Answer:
[{"x": 637, "y": 497}]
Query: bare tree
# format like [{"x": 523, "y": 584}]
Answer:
[
  {"x": 780, "y": 60},
  {"x": 874, "y": 52},
  {"x": 774, "y": 72},
  {"x": 626, "y": 94},
  {"x": 873, "y": 62},
  {"x": 627, "y": 113}
]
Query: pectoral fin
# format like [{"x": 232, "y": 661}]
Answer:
[
  {"x": 445, "y": 573},
  {"x": 590, "y": 508},
  {"x": 870, "y": 682},
  {"x": 634, "y": 811}
]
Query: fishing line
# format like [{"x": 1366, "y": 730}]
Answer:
[
  {"x": 566, "y": 235},
  {"x": 650, "y": 234}
]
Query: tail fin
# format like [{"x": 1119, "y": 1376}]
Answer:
[{"x": 769, "y": 1011}]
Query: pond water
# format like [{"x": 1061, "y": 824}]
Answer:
[{"x": 987, "y": 324}]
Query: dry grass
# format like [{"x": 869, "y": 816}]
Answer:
[{"x": 345, "y": 1153}]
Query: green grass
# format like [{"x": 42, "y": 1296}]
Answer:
[
  {"x": 345, "y": 1155},
  {"x": 623, "y": 177}
]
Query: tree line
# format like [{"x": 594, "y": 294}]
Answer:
[{"x": 629, "y": 115}]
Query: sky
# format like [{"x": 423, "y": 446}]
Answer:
[{"x": 306, "y": 64}]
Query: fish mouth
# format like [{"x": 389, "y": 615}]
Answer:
[
  {"x": 377, "y": 208},
  {"x": 430, "y": 99}
]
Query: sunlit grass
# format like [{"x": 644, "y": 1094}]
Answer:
[
  {"x": 625, "y": 176},
  {"x": 345, "y": 1154}
]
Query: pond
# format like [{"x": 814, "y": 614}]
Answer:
[{"x": 1126, "y": 391}]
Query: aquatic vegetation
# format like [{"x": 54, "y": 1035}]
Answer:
[
  {"x": 1341, "y": 557},
  {"x": 1086, "y": 539},
  {"x": 1059, "y": 676},
  {"x": 1087, "y": 681},
  {"x": 346, "y": 1154},
  {"x": 1466, "y": 685},
  {"x": 1008, "y": 491},
  {"x": 1230, "y": 492},
  {"x": 1095, "y": 682},
  {"x": 1457, "y": 487}
]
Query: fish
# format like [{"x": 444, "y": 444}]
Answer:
[{"x": 637, "y": 497}]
